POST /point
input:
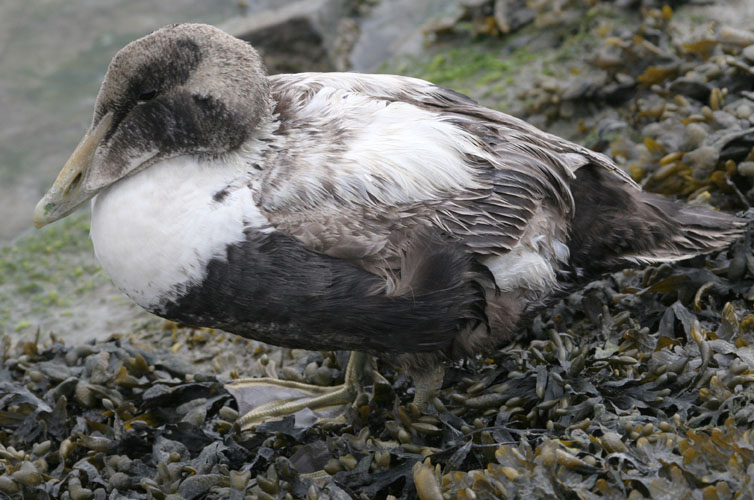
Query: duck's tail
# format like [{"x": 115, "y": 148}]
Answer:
[{"x": 615, "y": 224}]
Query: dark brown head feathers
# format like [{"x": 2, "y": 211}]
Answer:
[{"x": 183, "y": 89}]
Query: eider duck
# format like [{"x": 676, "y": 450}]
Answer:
[{"x": 337, "y": 211}]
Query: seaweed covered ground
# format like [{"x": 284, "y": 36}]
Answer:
[{"x": 637, "y": 386}]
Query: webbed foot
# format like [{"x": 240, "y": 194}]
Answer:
[{"x": 262, "y": 399}]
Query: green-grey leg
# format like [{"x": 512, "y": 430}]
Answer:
[
  {"x": 315, "y": 397},
  {"x": 427, "y": 386}
]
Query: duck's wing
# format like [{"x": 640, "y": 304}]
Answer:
[{"x": 359, "y": 159}]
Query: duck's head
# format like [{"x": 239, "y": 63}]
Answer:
[{"x": 184, "y": 89}]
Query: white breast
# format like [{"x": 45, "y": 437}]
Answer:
[{"x": 154, "y": 232}]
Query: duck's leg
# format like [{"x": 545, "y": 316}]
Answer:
[
  {"x": 427, "y": 386},
  {"x": 263, "y": 395}
]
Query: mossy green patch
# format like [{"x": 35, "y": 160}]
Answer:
[
  {"x": 496, "y": 70},
  {"x": 474, "y": 62},
  {"x": 22, "y": 325},
  {"x": 36, "y": 264}
]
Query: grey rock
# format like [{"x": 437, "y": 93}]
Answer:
[
  {"x": 744, "y": 111},
  {"x": 736, "y": 36},
  {"x": 120, "y": 481},
  {"x": 395, "y": 28},
  {"x": 297, "y": 37},
  {"x": 8, "y": 486},
  {"x": 196, "y": 486},
  {"x": 694, "y": 135},
  {"x": 27, "y": 474},
  {"x": 512, "y": 15},
  {"x": 703, "y": 160},
  {"x": 690, "y": 88},
  {"x": 746, "y": 168},
  {"x": 748, "y": 53},
  {"x": 163, "y": 447},
  {"x": 97, "y": 367},
  {"x": 725, "y": 120},
  {"x": 56, "y": 372},
  {"x": 673, "y": 135},
  {"x": 196, "y": 415}
]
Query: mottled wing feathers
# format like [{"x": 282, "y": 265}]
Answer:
[
  {"x": 394, "y": 88},
  {"x": 380, "y": 154}
]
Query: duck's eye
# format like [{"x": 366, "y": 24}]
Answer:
[{"x": 147, "y": 95}]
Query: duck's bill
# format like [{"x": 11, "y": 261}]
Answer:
[{"x": 68, "y": 192}]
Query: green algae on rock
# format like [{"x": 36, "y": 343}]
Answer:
[{"x": 51, "y": 280}]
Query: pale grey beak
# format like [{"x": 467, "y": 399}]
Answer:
[{"x": 69, "y": 192}]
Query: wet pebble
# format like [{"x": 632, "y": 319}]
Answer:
[
  {"x": 744, "y": 110},
  {"x": 725, "y": 120},
  {"x": 748, "y": 53},
  {"x": 77, "y": 492},
  {"x": 746, "y": 168},
  {"x": 8, "y": 485},
  {"x": 691, "y": 87},
  {"x": 737, "y": 36},
  {"x": 322, "y": 376},
  {"x": 40, "y": 449},
  {"x": 27, "y": 474},
  {"x": 702, "y": 160},
  {"x": 120, "y": 481}
]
